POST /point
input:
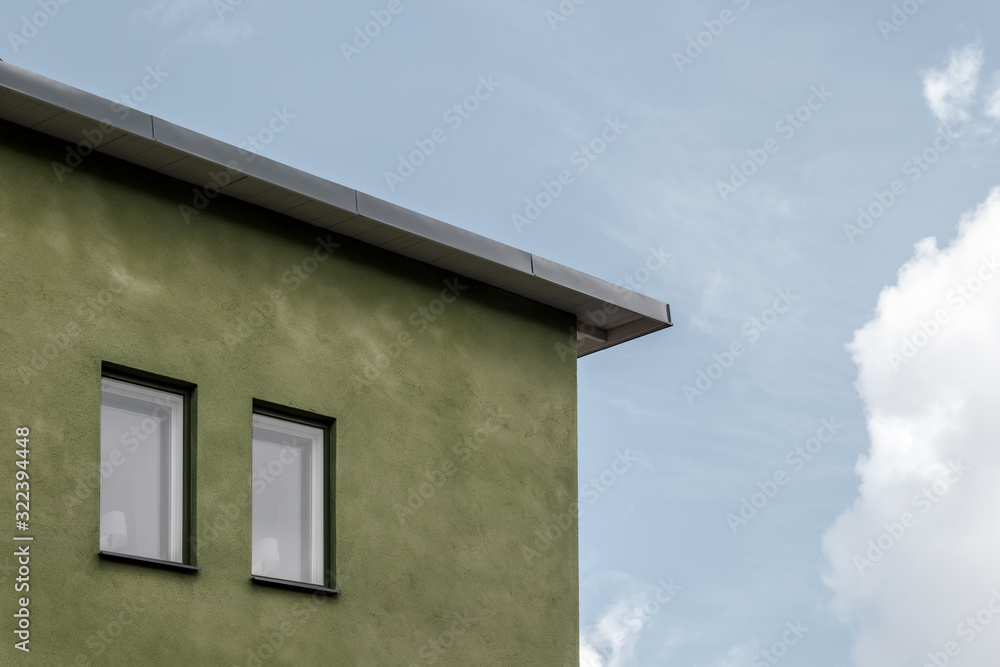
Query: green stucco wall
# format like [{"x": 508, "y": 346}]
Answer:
[{"x": 100, "y": 267}]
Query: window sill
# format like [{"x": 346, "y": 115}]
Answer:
[
  {"x": 294, "y": 585},
  {"x": 149, "y": 562}
]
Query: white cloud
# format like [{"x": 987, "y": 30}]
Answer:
[
  {"x": 929, "y": 375},
  {"x": 202, "y": 21},
  {"x": 220, "y": 33},
  {"x": 169, "y": 12},
  {"x": 589, "y": 657},
  {"x": 992, "y": 108},
  {"x": 629, "y": 406},
  {"x": 739, "y": 655},
  {"x": 612, "y": 640},
  {"x": 950, "y": 91}
]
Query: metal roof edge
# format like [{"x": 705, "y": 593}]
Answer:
[
  {"x": 600, "y": 289},
  {"x": 614, "y": 313},
  {"x": 75, "y": 100},
  {"x": 443, "y": 232},
  {"x": 253, "y": 164}
]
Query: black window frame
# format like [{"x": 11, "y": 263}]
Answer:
[
  {"x": 328, "y": 426},
  {"x": 188, "y": 390}
]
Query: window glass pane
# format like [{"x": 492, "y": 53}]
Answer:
[
  {"x": 141, "y": 484},
  {"x": 287, "y": 500}
]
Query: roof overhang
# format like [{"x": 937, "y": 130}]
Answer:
[{"x": 607, "y": 314}]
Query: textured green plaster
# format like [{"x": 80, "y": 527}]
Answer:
[{"x": 181, "y": 290}]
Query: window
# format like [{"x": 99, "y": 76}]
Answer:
[
  {"x": 289, "y": 491},
  {"x": 143, "y": 482}
]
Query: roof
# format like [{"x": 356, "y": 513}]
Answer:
[{"x": 606, "y": 314}]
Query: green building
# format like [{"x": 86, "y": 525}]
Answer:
[{"x": 256, "y": 417}]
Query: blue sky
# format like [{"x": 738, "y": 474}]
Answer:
[{"x": 830, "y": 102}]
